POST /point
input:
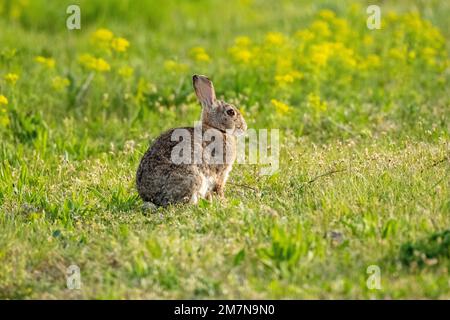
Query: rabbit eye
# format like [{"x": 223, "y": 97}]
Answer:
[{"x": 231, "y": 112}]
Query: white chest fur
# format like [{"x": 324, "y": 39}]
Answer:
[
  {"x": 226, "y": 173},
  {"x": 208, "y": 184}
]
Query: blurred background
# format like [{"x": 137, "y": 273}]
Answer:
[{"x": 309, "y": 66}]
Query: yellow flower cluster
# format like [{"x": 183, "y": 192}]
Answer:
[
  {"x": 60, "y": 83},
  {"x": 174, "y": 66},
  {"x": 4, "y": 119},
  {"x": 92, "y": 63},
  {"x": 416, "y": 40},
  {"x": 47, "y": 62},
  {"x": 323, "y": 52},
  {"x": 199, "y": 54},
  {"x": 242, "y": 41},
  {"x": 288, "y": 78},
  {"x": 102, "y": 35},
  {"x": 3, "y": 100},
  {"x": 11, "y": 78},
  {"x": 327, "y": 14},
  {"x": 315, "y": 103},
  {"x": 120, "y": 44},
  {"x": 126, "y": 72},
  {"x": 275, "y": 39},
  {"x": 15, "y": 9},
  {"x": 241, "y": 50},
  {"x": 281, "y": 108},
  {"x": 338, "y": 50},
  {"x": 105, "y": 42},
  {"x": 372, "y": 61},
  {"x": 104, "y": 39},
  {"x": 321, "y": 29}
]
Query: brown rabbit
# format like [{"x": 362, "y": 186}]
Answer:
[{"x": 169, "y": 174}]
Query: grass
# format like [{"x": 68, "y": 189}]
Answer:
[{"x": 364, "y": 165}]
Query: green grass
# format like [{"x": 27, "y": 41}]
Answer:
[{"x": 364, "y": 181}]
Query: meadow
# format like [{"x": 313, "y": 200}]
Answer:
[{"x": 364, "y": 176}]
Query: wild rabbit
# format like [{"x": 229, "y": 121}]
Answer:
[{"x": 169, "y": 174}]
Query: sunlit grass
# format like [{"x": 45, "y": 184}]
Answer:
[{"x": 364, "y": 169}]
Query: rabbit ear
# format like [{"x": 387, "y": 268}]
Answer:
[{"x": 204, "y": 90}]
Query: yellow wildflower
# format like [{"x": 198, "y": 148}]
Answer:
[
  {"x": 368, "y": 40},
  {"x": 11, "y": 78},
  {"x": 242, "y": 41},
  {"x": 102, "y": 65},
  {"x": 323, "y": 52},
  {"x": 4, "y": 119},
  {"x": 280, "y": 107},
  {"x": 355, "y": 8},
  {"x": 3, "y": 100},
  {"x": 346, "y": 56},
  {"x": 202, "y": 57},
  {"x": 429, "y": 54},
  {"x": 174, "y": 66},
  {"x": 240, "y": 55},
  {"x": 48, "y": 62},
  {"x": 327, "y": 14},
  {"x": 60, "y": 83},
  {"x": 284, "y": 79},
  {"x": 102, "y": 35},
  {"x": 320, "y": 54},
  {"x": 316, "y": 103},
  {"x": 304, "y": 35},
  {"x": 341, "y": 29},
  {"x": 373, "y": 60},
  {"x": 120, "y": 44},
  {"x": 92, "y": 63},
  {"x": 397, "y": 53},
  {"x": 287, "y": 78},
  {"x": 199, "y": 54},
  {"x": 321, "y": 28},
  {"x": 392, "y": 16},
  {"x": 413, "y": 21},
  {"x": 275, "y": 38},
  {"x": 126, "y": 72}
]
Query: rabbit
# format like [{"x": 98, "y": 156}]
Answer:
[{"x": 161, "y": 181}]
